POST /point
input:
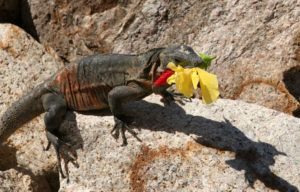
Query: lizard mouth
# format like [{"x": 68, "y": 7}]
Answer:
[{"x": 158, "y": 73}]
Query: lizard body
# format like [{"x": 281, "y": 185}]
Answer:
[
  {"x": 94, "y": 83},
  {"x": 85, "y": 85}
]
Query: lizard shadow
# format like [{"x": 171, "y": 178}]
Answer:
[
  {"x": 69, "y": 131},
  {"x": 254, "y": 158},
  {"x": 70, "y": 134}
]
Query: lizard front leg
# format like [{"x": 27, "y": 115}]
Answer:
[
  {"x": 169, "y": 96},
  {"x": 116, "y": 98}
]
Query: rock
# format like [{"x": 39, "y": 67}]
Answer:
[
  {"x": 76, "y": 29},
  {"x": 255, "y": 42},
  {"x": 13, "y": 180},
  {"x": 227, "y": 146},
  {"x": 24, "y": 63}
]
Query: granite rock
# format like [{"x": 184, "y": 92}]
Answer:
[
  {"x": 24, "y": 63},
  {"x": 226, "y": 146}
]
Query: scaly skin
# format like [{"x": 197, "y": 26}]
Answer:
[
  {"x": 85, "y": 85},
  {"x": 96, "y": 82},
  {"x": 22, "y": 111}
]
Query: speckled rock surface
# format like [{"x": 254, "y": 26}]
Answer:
[
  {"x": 256, "y": 42},
  {"x": 227, "y": 146},
  {"x": 24, "y": 63}
]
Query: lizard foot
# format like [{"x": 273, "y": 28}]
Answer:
[
  {"x": 121, "y": 124},
  {"x": 168, "y": 98},
  {"x": 62, "y": 150}
]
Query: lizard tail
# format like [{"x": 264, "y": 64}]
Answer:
[{"x": 21, "y": 112}]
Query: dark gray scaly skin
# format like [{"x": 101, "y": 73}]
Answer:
[{"x": 96, "y": 82}]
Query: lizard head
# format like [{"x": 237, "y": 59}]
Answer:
[{"x": 180, "y": 55}]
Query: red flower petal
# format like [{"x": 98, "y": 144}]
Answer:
[{"x": 162, "y": 79}]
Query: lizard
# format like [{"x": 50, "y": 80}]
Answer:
[{"x": 96, "y": 82}]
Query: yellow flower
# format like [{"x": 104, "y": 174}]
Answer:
[
  {"x": 182, "y": 79},
  {"x": 187, "y": 80}
]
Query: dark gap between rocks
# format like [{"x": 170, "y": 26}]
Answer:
[
  {"x": 296, "y": 113},
  {"x": 27, "y": 20},
  {"x": 9, "y": 11},
  {"x": 17, "y": 12},
  {"x": 291, "y": 79}
]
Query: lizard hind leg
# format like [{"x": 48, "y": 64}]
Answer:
[{"x": 55, "y": 107}]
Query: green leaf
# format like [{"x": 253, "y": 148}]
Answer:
[{"x": 207, "y": 59}]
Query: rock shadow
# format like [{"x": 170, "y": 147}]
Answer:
[
  {"x": 8, "y": 158},
  {"x": 255, "y": 158},
  {"x": 47, "y": 180}
]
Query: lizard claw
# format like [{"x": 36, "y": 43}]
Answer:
[
  {"x": 62, "y": 150},
  {"x": 48, "y": 146},
  {"x": 121, "y": 124}
]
